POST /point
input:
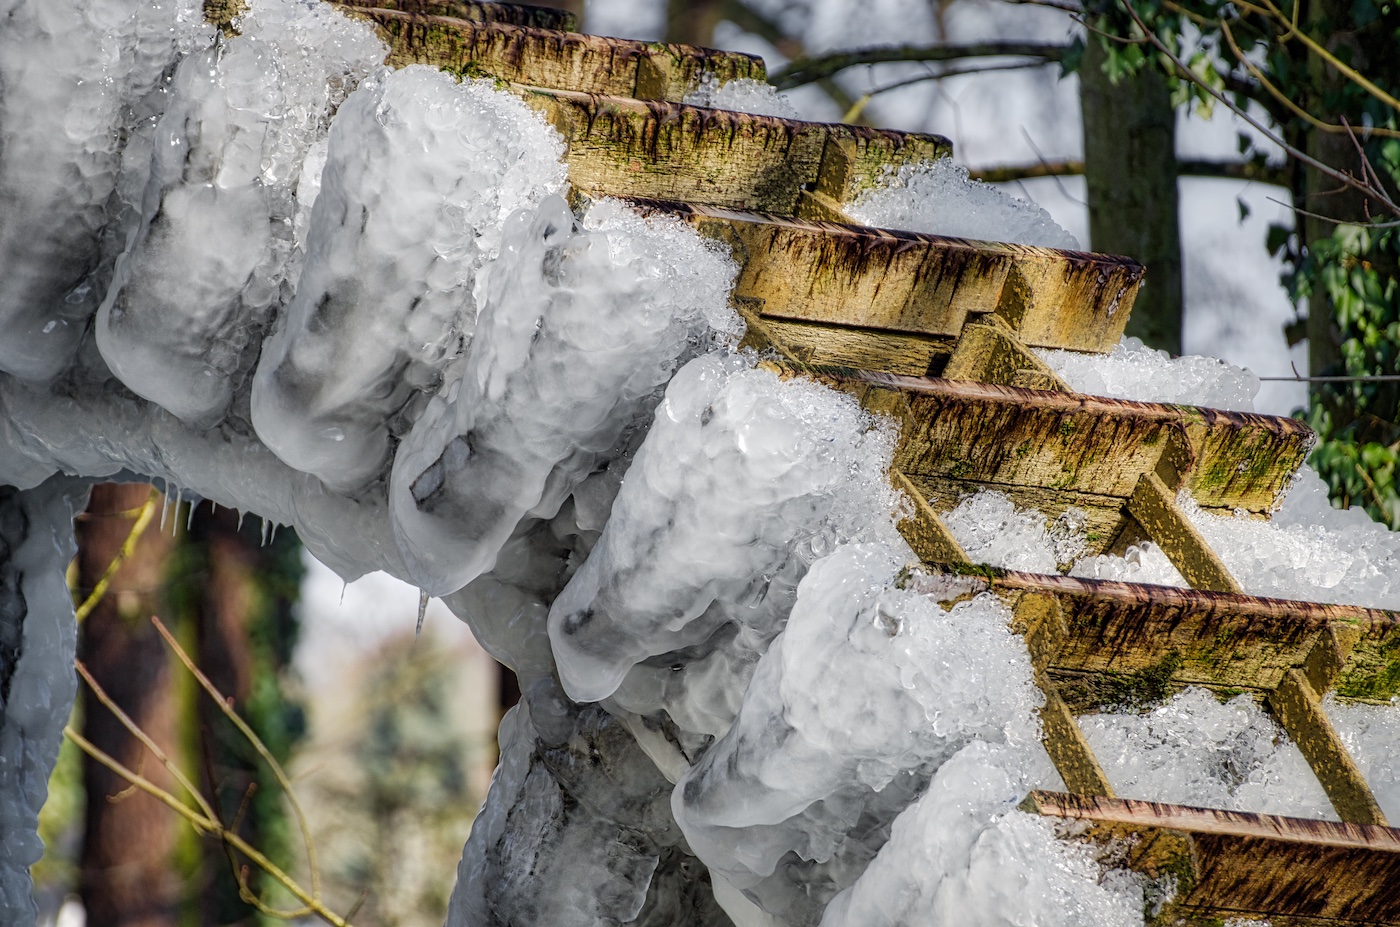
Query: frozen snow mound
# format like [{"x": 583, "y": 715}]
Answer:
[{"x": 938, "y": 198}]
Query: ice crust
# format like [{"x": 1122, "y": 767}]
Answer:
[
  {"x": 421, "y": 173},
  {"x": 1134, "y": 371},
  {"x": 855, "y": 705},
  {"x": 195, "y": 289},
  {"x": 356, "y": 301},
  {"x": 938, "y": 198},
  {"x": 1197, "y": 750},
  {"x": 581, "y": 326},
  {"x": 744, "y": 95},
  {"x": 38, "y": 638},
  {"x": 953, "y": 857},
  {"x": 68, "y": 102}
]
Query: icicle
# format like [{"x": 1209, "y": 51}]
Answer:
[
  {"x": 164, "y": 507},
  {"x": 189, "y": 519},
  {"x": 343, "y": 586},
  {"x": 240, "y": 520},
  {"x": 422, "y": 611}
]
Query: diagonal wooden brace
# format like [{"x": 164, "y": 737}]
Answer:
[
  {"x": 989, "y": 351},
  {"x": 1154, "y": 505},
  {"x": 1040, "y": 619},
  {"x": 1297, "y": 704}
]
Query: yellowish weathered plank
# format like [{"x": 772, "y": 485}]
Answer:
[
  {"x": 554, "y": 59},
  {"x": 512, "y": 14}
]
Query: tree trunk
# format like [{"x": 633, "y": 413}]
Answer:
[
  {"x": 1131, "y": 173},
  {"x": 693, "y": 22},
  {"x": 125, "y": 873}
]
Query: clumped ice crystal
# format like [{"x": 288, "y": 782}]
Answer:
[
  {"x": 938, "y": 198},
  {"x": 1134, "y": 371},
  {"x": 1198, "y": 750},
  {"x": 194, "y": 291},
  {"x": 420, "y": 175},
  {"x": 744, "y": 95},
  {"x": 581, "y": 325},
  {"x": 78, "y": 78}
]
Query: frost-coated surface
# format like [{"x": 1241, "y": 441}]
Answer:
[
  {"x": 37, "y": 642},
  {"x": 420, "y": 175},
  {"x": 359, "y": 302},
  {"x": 195, "y": 289},
  {"x": 938, "y": 198}
]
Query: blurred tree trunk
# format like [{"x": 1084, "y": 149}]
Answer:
[
  {"x": 1131, "y": 172},
  {"x": 125, "y": 875},
  {"x": 236, "y": 594},
  {"x": 693, "y": 21}
]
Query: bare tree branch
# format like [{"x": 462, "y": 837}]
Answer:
[
  {"x": 1275, "y": 174},
  {"x": 807, "y": 70}
]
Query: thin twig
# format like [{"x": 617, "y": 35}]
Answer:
[
  {"x": 277, "y": 771},
  {"x": 807, "y": 70},
  {"x": 207, "y": 826},
  {"x": 1281, "y": 97},
  {"x": 1340, "y": 66},
  {"x": 1292, "y": 150},
  {"x": 859, "y": 106},
  {"x": 145, "y": 739},
  {"x": 143, "y": 519}
]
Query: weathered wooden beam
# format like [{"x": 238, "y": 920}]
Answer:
[
  {"x": 690, "y": 154},
  {"x": 892, "y": 283},
  {"x": 510, "y": 14},
  {"x": 990, "y": 352},
  {"x": 1154, "y": 506},
  {"x": 1235, "y": 864},
  {"x": 555, "y": 59},
  {"x": 1004, "y": 436},
  {"x": 1040, "y": 620},
  {"x": 924, "y": 530},
  {"x": 1121, "y": 631}
]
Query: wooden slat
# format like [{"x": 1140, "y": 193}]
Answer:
[
  {"x": 1005, "y": 436},
  {"x": 669, "y": 151},
  {"x": 555, "y": 59},
  {"x": 1236, "y": 864},
  {"x": 1154, "y": 505},
  {"x": 896, "y": 282},
  {"x": 990, "y": 352},
  {"x": 511, "y": 14},
  {"x": 1215, "y": 639}
]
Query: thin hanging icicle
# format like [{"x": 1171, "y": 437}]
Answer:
[{"x": 422, "y": 611}]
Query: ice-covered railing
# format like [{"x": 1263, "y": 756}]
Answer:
[{"x": 265, "y": 270}]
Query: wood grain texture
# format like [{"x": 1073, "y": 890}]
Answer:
[
  {"x": 512, "y": 14},
  {"x": 999, "y": 435},
  {"x": 1222, "y": 640},
  {"x": 690, "y": 154},
  {"x": 1236, "y": 864},
  {"x": 555, "y": 59}
]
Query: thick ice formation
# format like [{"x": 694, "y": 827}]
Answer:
[
  {"x": 992, "y": 530},
  {"x": 196, "y": 288},
  {"x": 744, "y": 95},
  {"x": 1197, "y": 750},
  {"x": 1371, "y": 734},
  {"x": 37, "y": 641},
  {"x": 854, "y": 706},
  {"x": 953, "y": 857},
  {"x": 741, "y": 482},
  {"x": 421, "y": 173},
  {"x": 67, "y": 106},
  {"x": 581, "y": 326},
  {"x": 1134, "y": 371},
  {"x": 938, "y": 198}
]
